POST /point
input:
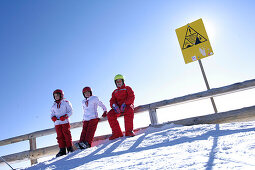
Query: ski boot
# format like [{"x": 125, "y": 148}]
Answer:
[
  {"x": 129, "y": 133},
  {"x": 84, "y": 145},
  {"x": 70, "y": 149},
  {"x": 61, "y": 152},
  {"x": 115, "y": 135}
]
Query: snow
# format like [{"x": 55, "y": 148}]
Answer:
[{"x": 224, "y": 146}]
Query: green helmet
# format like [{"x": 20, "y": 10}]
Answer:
[{"x": 118, "y": 76}]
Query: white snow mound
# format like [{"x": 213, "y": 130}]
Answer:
[{"x": 224, "y": 146}]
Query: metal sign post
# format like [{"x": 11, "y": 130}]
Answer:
[{"x": 207, "y": 85}]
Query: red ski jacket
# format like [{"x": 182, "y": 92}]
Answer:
[{"x": 123, "y": 94}]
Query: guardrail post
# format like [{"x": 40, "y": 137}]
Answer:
[
  {"x": 32, "y": 143},
  {"x": 153, "y": 117}
]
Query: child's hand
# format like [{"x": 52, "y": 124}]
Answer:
[
  {"x": 104, "y": 114},
  {"x": 122, "y": 108},
  {"x": 116, "y": 108},
  {"x": 62, "y": 118},
  {"x": 54, "y": 119}
]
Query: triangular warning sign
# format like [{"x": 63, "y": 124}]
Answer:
[{"x": 192, "y": 38}]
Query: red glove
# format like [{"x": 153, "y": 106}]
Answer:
[
  {"x": 54, "y": 118},
  {"x": 104, "y": 114},
  {"x": 62, "y": 118}
]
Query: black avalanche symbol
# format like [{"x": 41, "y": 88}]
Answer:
[{"x": 192, "y": 38}]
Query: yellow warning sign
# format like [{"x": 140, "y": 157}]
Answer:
[{"x": 194, "y": 41}]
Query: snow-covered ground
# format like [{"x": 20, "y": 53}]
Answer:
[{"x": 224, "y": 146}]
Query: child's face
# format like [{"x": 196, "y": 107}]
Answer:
[
  {"x": 56, "y": 96},
  {"x": 87, "y": 94},
  {"x": 119, "y": 82}
]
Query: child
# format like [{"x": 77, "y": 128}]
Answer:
[
  {"x": 60, "y": 112},
  {"x": 90, "y": 118},
  {"x": 122, "y": 101}
]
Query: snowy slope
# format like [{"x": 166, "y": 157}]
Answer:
[{"x": 224, "y": 146}]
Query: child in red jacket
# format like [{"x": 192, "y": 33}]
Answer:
[{"x": 122, "y": 101}]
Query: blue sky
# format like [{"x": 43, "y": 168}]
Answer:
[{"x": 50, "y": 44}]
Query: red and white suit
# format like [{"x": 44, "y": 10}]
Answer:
[
  {"x": 64, "y": 137},
  {"x": 90, "y": 118}
]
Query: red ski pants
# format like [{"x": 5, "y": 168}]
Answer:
[
  {"x": 88, "y": 130},
  {"x": 128, "y": 120},
  {"x": 64, "y": 137}
]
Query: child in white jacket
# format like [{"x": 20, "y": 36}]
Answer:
[
  {"x": 60, "y": 112},
  {"x": 90, "y": 117}
]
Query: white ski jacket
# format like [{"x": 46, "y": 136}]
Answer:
[
  {"x": 90, "y": 109},
  {"x": 65, "y": 108}
]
